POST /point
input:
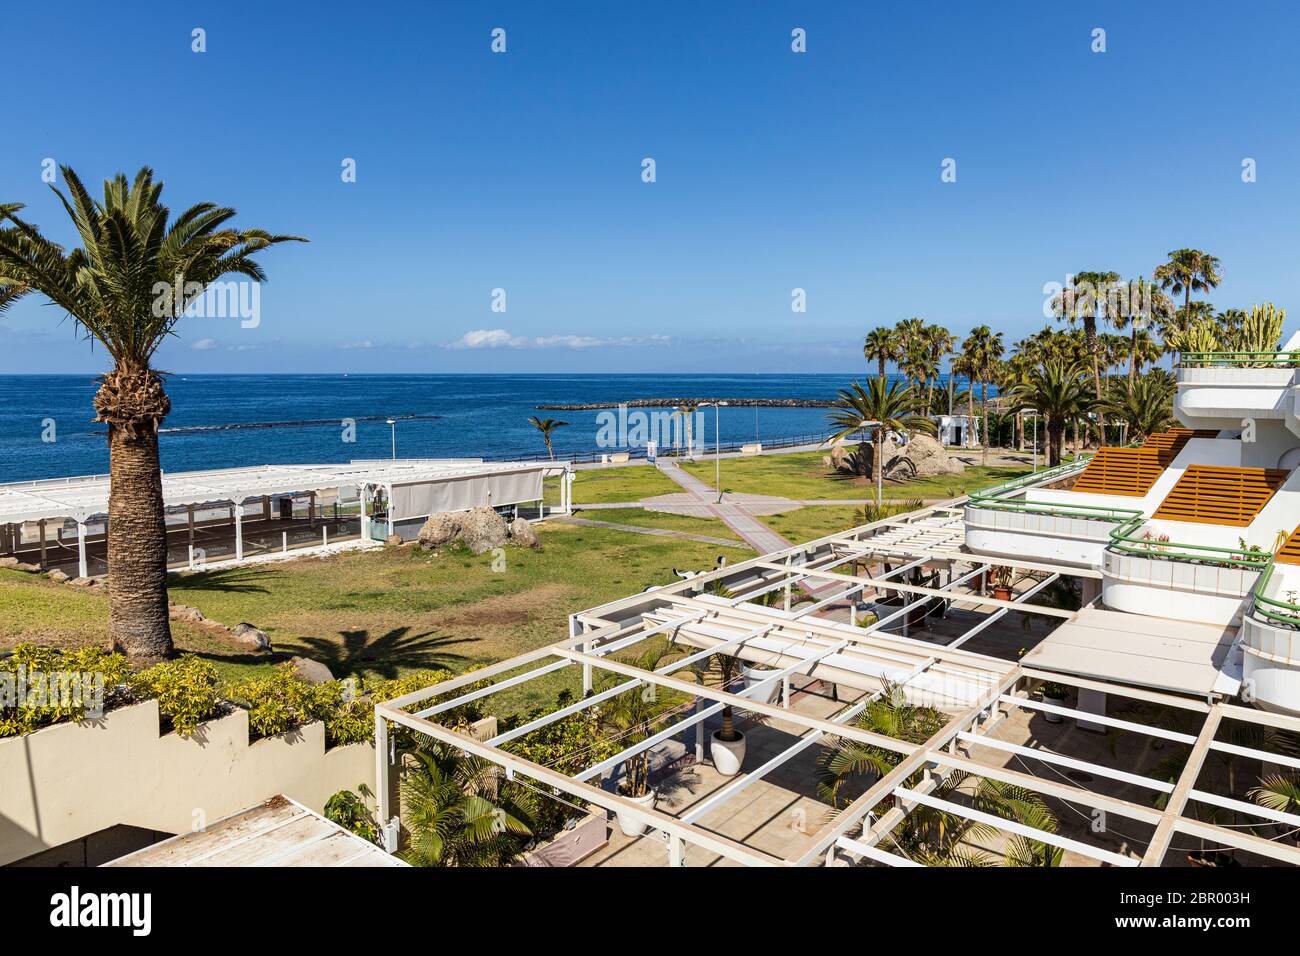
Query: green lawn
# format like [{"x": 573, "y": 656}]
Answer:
[
  {"x": 801, "y": 475},
  {"x": 385, "y": 612},
  {"x": 620, "y": 483},
  {"x": 657, "y": 519},
  {"x": 814, "y": 521}
]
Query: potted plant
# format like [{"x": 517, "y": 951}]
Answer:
[
  {"x": 756, "y": 675},
  {"x": 628, "y": 718},
  {"x": 727, "y": 748},
  {"x": 1053, "y": 694},
  {"x": 999, "y": 580}
]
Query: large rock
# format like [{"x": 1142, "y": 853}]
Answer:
[
  {"x": 482, "y": 529},
  {"x": 523, "y": 535},
  {"x": 439, "y": 529},
  {"x": 8, "y": 562},
  {"x": 57, "y": 576},
  {"x": 929, "y": 458},
  {"x": 252, "y": 636},
  {"x": 393, "y": 539},
  {"x": 313, "y": 672}
]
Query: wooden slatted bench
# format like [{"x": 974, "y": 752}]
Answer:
[{"x": 1221, "y": 494}]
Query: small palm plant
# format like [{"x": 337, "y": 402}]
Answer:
[
  {"x": 546, "y": 426},
  {"x": 461, "y": 811}
]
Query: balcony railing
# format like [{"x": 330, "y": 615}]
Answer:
[{"x": 1275, "y": 359}]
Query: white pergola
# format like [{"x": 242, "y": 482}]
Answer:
[
  {"x": 83, "y": 498},
  {"x": 794, "y": 642}
]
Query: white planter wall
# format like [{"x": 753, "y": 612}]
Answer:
[{"x": 67, "y": 781}]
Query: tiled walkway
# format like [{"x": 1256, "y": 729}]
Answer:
[{"x": 732, "y": 512}]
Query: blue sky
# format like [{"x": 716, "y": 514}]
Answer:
[{"x": 775, "y": 170}]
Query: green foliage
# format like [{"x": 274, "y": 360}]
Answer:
[
  {"x": 349, "y": 810},
  {"x": 188, "y": 691},
  {"x": 41, "y": 698},
  {"x": 1260, "y": 331},
  {"x": 461, "y": 811},
  {"x": 281, "y": 702}
]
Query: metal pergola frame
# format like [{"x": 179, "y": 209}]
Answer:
[{"x": 979, "y": 691}]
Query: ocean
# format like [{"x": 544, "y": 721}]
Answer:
[{"x": 46, "y": 427}]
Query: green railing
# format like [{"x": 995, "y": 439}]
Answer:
[
  {"x": 1275, "y": 359},
  {"x": 1123, "y": 537},
  {"x": 1285, "y": 613},
  {"x": 991, "y": 498}
]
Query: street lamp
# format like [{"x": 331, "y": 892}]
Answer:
[
  {"x": 717, "y": 444},
  {"x": 392, "y": 423}
]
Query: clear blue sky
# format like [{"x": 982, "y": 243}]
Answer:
[{"x": 775, "y": 170}]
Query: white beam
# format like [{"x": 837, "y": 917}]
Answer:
[
  {"x": 1088, "y": 716},
  {"x": 1061, "y": 759},
  {"x": 1011, "y": 826}
]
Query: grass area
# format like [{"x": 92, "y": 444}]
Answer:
[
  {"x": 381, "y": 613},
  {"x": 802, "y": 476},
  {"x": 814, "y": 521},
  {"x": 620, "y": 483},
  {"x": 713, "y": 527}
]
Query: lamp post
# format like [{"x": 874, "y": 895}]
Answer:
[
  {"x": 392, "y": 424},
  {"x": 717, "y": 444}
]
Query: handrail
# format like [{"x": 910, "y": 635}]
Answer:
[
  {"x": 1258, "y": 597},
  {"x": 1276, "y": 358},
  {"x": 1128, "y": 521}
]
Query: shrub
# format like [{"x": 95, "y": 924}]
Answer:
[
  {"x": 40, "y": 686},
  {"x": 278, "y": 703},
  {"x": 349, "y": 811},
  {"x": 187, "y": 689}
]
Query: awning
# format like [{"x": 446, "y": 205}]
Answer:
[{"x": 1157, "y": 652}]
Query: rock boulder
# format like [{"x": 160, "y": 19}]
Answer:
[
  {"x": 438, "y": 530},
  {"x": 482, "y": 529},
  {"x": 523, "y": 535},
  {"x": 313, "y": 672},
  {"x": 255, "y": 638}
]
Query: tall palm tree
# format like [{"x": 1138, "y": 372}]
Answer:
[
  {"x": 884, "y": 406},
  {"x": 127, "y": 285},
  {"x": 546, "y": 426},
  {"x": 984, "y": 349},
  {"x": 1146, "y": 307},
  {"x": 965, "y": 364},
  {"x": 940, "y": 343},
  {"x": 1060, "y": 393},
  {"x": 1096, "y": 296},
  {"x": 881, "y": 346},
  {"x": 1187, "y": 271},
  {"x": 460, "y": 811}
]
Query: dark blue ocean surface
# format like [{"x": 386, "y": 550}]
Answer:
[{"x": 477, "y": 416}]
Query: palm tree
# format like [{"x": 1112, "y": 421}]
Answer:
[
  {"x": 964, "y": 364},
  {"x": 1144, "y": 405},
  {"x": 917, "y": 365},
  {"x": 461, "y": 811},
  {"x": 887, "y": 407},
  {"x": 940, "y": 343},
  {"x": 126, "y": 287},
  {"x": 546, "y": 426},
  {"x": 1188, "y": 271},
  {"x": 1146, "y": 307},
  {"x": 1096, "y": 299},
  {"x": 983, "y": 349},
  {"x": 1059, "y": 392},
  {"x": 881, "y": 346}
]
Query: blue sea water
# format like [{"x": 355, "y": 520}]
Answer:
[{"x": 477, "y": 415}]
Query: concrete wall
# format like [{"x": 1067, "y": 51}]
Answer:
[{"x": 65, "y": 782}]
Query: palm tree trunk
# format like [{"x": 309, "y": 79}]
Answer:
[
  {"x": 984, "y": 411},
  {"x": 878, "y": 466},
  {"x": 1055, "y": 440},
  {"x": 970, "y": 415},
  {"x": 881, "y": 362},
  {"x": 137, "y": 549},
  {"x": 1133, "y": 352}
]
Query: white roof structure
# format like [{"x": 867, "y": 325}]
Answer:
[
  {"x": 81, "y": 497},
  {"x": 279, "y": 832}
]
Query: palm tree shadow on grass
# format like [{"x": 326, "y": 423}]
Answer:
[
  {"x": 356, "y": 652},
  {"x": 232, "y": 580}
]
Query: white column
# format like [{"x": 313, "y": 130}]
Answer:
[
  {"x": 381, "y": 771},
  {"x": 81, "y": 549},
  {"x": 365, "y": 518},
  {"x": 237, "y": 510},
  {"x": 42, "y": 527}
]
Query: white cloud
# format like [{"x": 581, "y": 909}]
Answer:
[
  {"x": 203, "y": 345},
  {"x": 359, "y": 345},
  {"x": 501, "y": 338}
]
